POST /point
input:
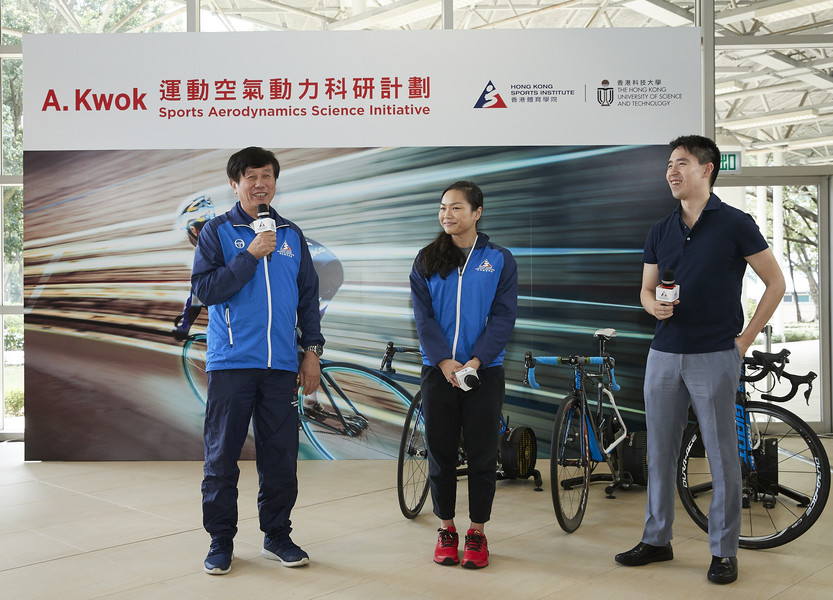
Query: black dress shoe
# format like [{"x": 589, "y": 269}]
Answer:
[
  {"x": 643, "y": 554},
  {"x": 723, "y": 570}
]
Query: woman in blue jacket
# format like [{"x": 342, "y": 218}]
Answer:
[{"x": 465, "y": 295}]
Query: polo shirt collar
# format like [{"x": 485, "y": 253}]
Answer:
[{"x": 713, "y": 204}]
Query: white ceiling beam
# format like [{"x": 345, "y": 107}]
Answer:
[
  {"x": 662, "y": 11},
  {"x": 772, "y": 42}
]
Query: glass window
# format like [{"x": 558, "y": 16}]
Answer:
[
  {"x": 12, "y": 245},
  {"x": 795, "y": 325},
  {"x": 92, "y": 16},
  {"x": 12, "y": 90},
  {"x": 12, "y": 417}
]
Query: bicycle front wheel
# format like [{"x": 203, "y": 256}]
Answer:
[
  {"x": 569, "y": 465},
  {"x": 412, "y": 467},
  {"x": 357, "y": 413},
  {"x": 782, "y": 496},
  {"x": 193, "y": 361}
]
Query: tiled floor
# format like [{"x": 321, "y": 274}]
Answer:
[{"x": 133, "y": 530}]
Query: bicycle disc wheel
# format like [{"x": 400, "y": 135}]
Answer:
[
  {"x": 785, "y": 493},
  {"x": 193, "y": 361},
  {"x": 357, "y": 413},
  {"x": 569, "y": 465},
  {"x": 412, "y": 466}
]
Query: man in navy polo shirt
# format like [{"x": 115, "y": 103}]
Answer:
[{"x": 698, "y": 347}]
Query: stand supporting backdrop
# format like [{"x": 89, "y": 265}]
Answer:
[{"x": 565, "y": 131}]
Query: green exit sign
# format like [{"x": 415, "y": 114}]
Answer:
[{"x": 730, "y": 162}]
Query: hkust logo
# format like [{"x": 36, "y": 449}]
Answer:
[
  {"x": 604, "y": 94},
  {"x": 88, "y": 100},
  {"x": 486, "y": 267},
  {"x": 490, "y": 98}
]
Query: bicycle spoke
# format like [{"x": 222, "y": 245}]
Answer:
[
  {"x": 356, "y": 414},
  {"x": 412, "y": 465},
  {"x": 569, "y": 465},
  {"x": 786, "y": 491}
]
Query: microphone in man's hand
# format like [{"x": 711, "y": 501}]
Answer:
[
  {"x": 667, "y": 290},
  {"x": 264, "y": 222}
]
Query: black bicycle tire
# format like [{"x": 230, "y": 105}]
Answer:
[
  {"x": 803, "y": 521},
  {"x": 187, "y": 363},
  {"x": 569, "y": 516},
  {"x": 411, "y": 503},
  {"x": 372, "y": 374}
]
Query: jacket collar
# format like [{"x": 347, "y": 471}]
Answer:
[{"x": 238, "y": 216}]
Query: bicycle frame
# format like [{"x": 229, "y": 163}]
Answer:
[
  {"x": 767, "y": 363},
  {"x": 605, "y": 383},
  {"x": 785, "y": 469}
]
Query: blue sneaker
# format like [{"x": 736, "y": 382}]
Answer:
[
  {"x": 284, "y": 550},
  {"x": 220, "y": 555}
]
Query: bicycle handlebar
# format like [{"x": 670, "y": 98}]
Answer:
[
  {"x": 572, "y": 361},
  {"x": 767, "y": 363},
  {"x": 764, "y": 363}
]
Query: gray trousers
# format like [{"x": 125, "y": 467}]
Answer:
[{"x": 708, "y": 383}]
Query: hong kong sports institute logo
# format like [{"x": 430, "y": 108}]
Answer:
[{"x": 490, "y": 98}]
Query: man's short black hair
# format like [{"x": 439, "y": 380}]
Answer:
[
  {"x": 703, "y": 148},
  {"x": 252, "y": 157}
]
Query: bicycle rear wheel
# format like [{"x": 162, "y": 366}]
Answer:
[
  {"x": 569, "y": 465},
  {"x": 785, "y": 493},
  {"x": 412, "y": 467},
  {"x": 193, "y": 361},
  {"x": 357, "y": 413}
]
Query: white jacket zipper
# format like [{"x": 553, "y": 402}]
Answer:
[
  {"x": 269, "y": 319},
  {"x": 461, "y": 270},
  {"x": 228, "y": 324}
]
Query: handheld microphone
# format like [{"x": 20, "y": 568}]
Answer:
[
  {"x": 468, "y": 379},
  {"x": 667, "y": 290},
  {"x": 264, "y": 222}
]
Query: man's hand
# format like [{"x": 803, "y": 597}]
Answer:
[
  {"x": 264, "y": 243},
  {"x": 309, "y": 373},
  {"x": 664, "y": 310},
  {"x": 743, "y": 344}
]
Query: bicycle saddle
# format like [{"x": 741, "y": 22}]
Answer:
[{"x": 607, "y": 333}]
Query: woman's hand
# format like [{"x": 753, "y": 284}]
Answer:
[{"x": 449, "y": 367}]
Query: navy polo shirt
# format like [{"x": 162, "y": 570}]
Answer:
[{"x": 708, "y": 263}]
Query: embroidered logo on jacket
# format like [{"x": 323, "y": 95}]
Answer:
[
  {"x": 486, "y": 266},
  {"x": 238, "y": 243},
  {"x": 285, "y": 250}
]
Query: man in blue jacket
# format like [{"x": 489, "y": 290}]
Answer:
[{"x": 256, "y": 276}]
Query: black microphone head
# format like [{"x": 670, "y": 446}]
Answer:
[
  {"x": 262, "y": 211},
  {"x": 668, "y": 277},
  {"x": 473, "y": 381}
]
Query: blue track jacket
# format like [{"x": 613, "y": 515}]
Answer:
[
  {"x": 467, "y": 314},
  {"x": 254, "y": 306}
]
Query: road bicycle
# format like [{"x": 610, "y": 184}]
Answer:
[
  {"x": 357, "y": 413},
  {"x": 517, "y": 449},
  {"x": 785, "y": 469},
  {"x": 585, "y": 434}
]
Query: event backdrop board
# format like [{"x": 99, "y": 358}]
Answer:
[{"x": 572, "y": 184}]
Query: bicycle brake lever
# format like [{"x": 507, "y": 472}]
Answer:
[
  {"x": 811, "y": 376},
  {"x": 387, "y": 359},
  {"x": 529, "y": 363}
]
